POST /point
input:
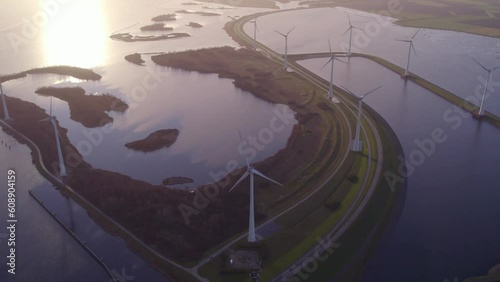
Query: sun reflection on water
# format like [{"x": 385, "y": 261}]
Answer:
[{"x": 77, "y": 35}]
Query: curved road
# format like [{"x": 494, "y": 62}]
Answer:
[{"x": 374, "y": 155}]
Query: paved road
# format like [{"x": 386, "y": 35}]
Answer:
[{"x": 374, "y": 156}]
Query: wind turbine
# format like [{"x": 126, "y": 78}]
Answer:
[
  {"x": 286, "y": 45},
  {"x": 251, "y": 171},
  {"x": 411, "y": 47},
  {"x": 356, "y": 143},
  {"x": 53, "y": 120},
  {"x": 5, "y": 110},
  {"x": 255, "y": 29},
  {"x": 332, "y": 60},
  {"x": 481, "y": 108},
  {"x": 351, "y": 27}
]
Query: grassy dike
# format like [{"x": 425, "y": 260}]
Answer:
[
  {"x": 360, "y": 241},
  {"x": 301, "y": 227},
  {"x": 433, "y": 88},
  {"x": 105, "y": 222}
]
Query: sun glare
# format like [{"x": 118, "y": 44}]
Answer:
[{"x": 76, "y": 36}]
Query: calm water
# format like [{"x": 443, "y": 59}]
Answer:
[
  {"x": 207, "y": 110},
  {"x": 44, "y": 251},
  {"x": 447, "y": 227},
  {"x": 443, "y": 57}
]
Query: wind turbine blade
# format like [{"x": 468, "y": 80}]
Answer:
[
  {"x": 45, "y": 119},
  {"x": 349, "y": 18},
  {"x": 329, "y": 46},
  {"x": 340, "y": 60},
  {"x": 480, "y": 64},
  {"x": 327, "y": 63},
  {"x": 413, "y": 48},
  {"x": 280, "y": 33},
  {"x": 347, "y": 30},
  {"x": 371, "y": 92},
  {"x": 415, "y": 33},
  {"x": 348, "y": 91},
  {"x": 495, "y": 68},
  {"x": 50, "y": 105},
  {"x": 246, "y": 159},
  {"x": 290, "y": 30},
  {"x": 239, "y": 181},
  {"x": 265, "y": 177},
  {"x": 403, "y": 40}
]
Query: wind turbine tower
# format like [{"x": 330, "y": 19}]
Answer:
[
  {"x": 410, "y": 48},
  {"x": 251, "y": 171},
  {"x": 5, "y": 110},
  {"x": 286, "y": 46},
  {"x": 350, "y": 29},
  {"x": 53, "y": 120},
  {"x": 332, "y": 60},
  {"x": 356, "y": 143},
  {"x": 489, "y": 70},
  {"x": 255, "y": 29}
]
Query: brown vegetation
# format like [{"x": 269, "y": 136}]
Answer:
[
  {"x": 193, "y": 24},
  {"x": 207, "y": 14},
  {"x": 177, "y": 181},
  {"x": 76, "y": 72},
  {"x": 163, "y": 138},
  {"x": 135, "y": 59},
  {"x": 156, "y": 27},
  {"x": 89, "y": 110},
  {"x": 149, "y": 211},
  {"x": 127, "y": 37},
  {"x": 164, "y": 18}
]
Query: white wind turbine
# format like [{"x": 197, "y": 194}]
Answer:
[
  {"x": 255, "y": 29},
  {"x": 251, "y": 217},
  {"x": 350, "y": 29},
  {"x": 286, "y": 45},
  {"x": 332, "y": 60},
  {"x": 489, "y": 70},
  {"x": 5, "y": 110},
  {"x": 53, "y": 120},
  {"x": 411, "y": 47},
  {"x": 356, "y": 143}
]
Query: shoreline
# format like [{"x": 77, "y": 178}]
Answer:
[{"x": 431, "y": 87}]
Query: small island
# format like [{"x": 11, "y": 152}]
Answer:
[
  {"x": 156, "y": 27},
  {"x": 135, "y": 59},
  {"x": 155, "y": 141},
  {"x": 195, "y": 25},
  {"x": 127, "y": 37},
  {"x": 206, "y": 14},
  {"x": 164, "y": 18},
  {"x": 89, "y": 110},
  {"x": 80, "y": 73},
  {"x": 177, "y": 181}
]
